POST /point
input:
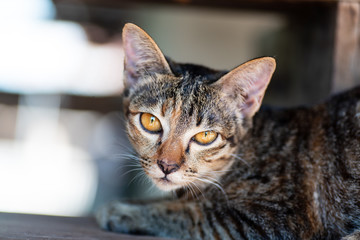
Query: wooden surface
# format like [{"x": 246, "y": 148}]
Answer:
[
  {"x": 34, "y": 227},
  {"x": 347, "y": 44}
]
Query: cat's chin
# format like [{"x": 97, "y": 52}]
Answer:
[{"x": 165, "y": 184}]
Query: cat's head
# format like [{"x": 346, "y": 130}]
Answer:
[{"x": 186, "y": 121}]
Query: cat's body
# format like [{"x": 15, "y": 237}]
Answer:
[
  {"x": 304, "y": 170},
  {"x": 276, "y": 174}
]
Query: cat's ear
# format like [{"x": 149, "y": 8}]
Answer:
[
  {"x": 142, "y": 55},
  {"x": 247, "y": 83}
]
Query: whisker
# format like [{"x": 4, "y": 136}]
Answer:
[
  {"x": 131, "y": 170},
  {"x": 191, "y": 191},
  {"x": 120, "y": 167},
  {"x": 125, "y": 155},
  {"x": 136, "y": 164},
  {"x": 196, "y": 195},
  {"x": 196, "y": 186},
  {"x": 128, "y": 158},
  {"x": 136, "y": 177},
  {"x": 143, "y": 180},
  {"x": 213, "y": 182},
  {"x": 152, "y": 185},
  {"x": 120, "y": 142},
  {"x": 240, "y": 158}
]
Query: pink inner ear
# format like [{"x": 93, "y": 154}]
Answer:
[
  {"x": 133, "y": 52},
  {"x": 251, "y": 105},
  {"x": 256, "y": 88},
  {"x": 131, "y": 58},
  {"x": 135, "y": 42},
  {"x": 258, "y": 79},
  {"x": 141, "y": 55}
]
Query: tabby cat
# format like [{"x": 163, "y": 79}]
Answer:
[{"x": 240, "y": 173}]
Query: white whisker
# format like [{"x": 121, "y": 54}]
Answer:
[
  {"x": 240, "y": 158},
  {"x": 126, "y": 155},
  {"x": 193, "y": 183},
  {"x": 120, "y": 143},
  {"x": 192, "y": 191},
  {"x": 136, "y": 177},
  {"x": 131, "y": 170},
  {"x": 214, "y": 182}
]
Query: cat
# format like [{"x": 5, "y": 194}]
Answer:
[{"x": 240, "y": 172}]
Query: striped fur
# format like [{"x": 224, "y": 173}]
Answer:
[{"x": 280, "y": 174}]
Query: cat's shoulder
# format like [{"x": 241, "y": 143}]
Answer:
[{"x": 350, "y": 95}]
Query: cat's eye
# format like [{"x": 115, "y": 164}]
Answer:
[
  {"x": 150, "y": 123},
  {"x": 205, "y": 137}
]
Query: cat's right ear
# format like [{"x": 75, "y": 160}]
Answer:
[{"x": 142, "y": 55}]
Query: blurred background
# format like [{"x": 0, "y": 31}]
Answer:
[{"x": 63, "y": 148}]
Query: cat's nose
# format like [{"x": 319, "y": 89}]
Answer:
[{"x": 167, "y": 167}]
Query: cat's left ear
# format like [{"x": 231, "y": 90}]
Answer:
[
  {"x": 247, "y": 83},
  {"x": 142, "y": 55}
]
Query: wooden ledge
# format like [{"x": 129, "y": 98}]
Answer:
[{"x": 36, "y": 227}]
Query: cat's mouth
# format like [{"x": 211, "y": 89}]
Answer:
[{"x": 165, "y": 179}]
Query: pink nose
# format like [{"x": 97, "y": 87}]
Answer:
[{"x": 167, "y": 167}]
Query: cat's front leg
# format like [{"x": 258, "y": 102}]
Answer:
[
  {"x": 195, "y": 220},
  {"x": 123, "y": 217},
  {"x": 166, "y": 219}
]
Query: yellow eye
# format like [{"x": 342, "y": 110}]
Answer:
[
  {"x": 206, "y": 137},
  {"x": 150, "y": 122}
]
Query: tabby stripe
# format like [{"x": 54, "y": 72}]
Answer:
[
  {"x": 342, "y": 148},
  {"x": 272, "y": 208},
  {"x": 190, "y": 214},
  {"x": 199, "y": 225},
  {"x": 241, "y": 217},
  {"x": 218, "y": 159},
  {"x": 232, "y": 141},
  {"x": 220, "y": 220},
  {"x": 191, "y": 110},
  {"x": 136, "y": 130},
  {"x": 201, "y": 230},
  {"x": 132, "y": 113},
  {"x": 237, "y": 223},
  {"x": 199, "y": 120},
  {"x": 225, "y": 158},
  {"x": 337, "y": 146},
  {"x": 209, "y": 218},
  {"x": 163, "y": 109},
  {"x": 214, "y": 150}
]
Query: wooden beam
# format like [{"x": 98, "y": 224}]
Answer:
[
  {"x": 347, "y": 44},
  {"x": 34, "y": 227}
]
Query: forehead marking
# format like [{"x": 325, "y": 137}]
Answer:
[
  {"x": 164, "y": 107},
  {"x": 175, "y": 120},
  {"x": 199, "y": 119}
]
